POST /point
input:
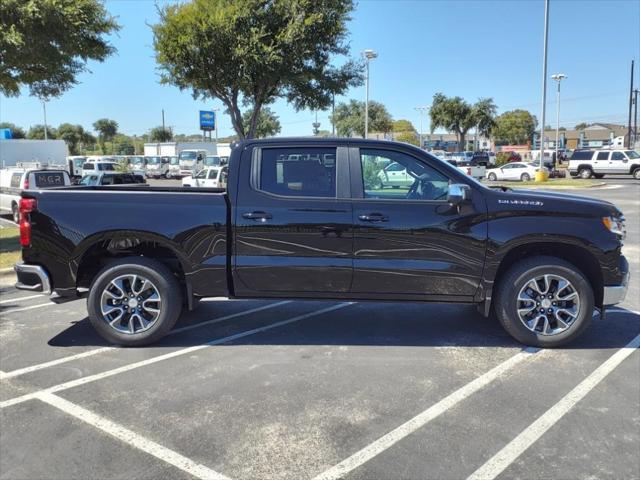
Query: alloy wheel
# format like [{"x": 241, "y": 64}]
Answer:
[
  {"x": 130, "y": 304},
  {"x": 548, "y": 304}
]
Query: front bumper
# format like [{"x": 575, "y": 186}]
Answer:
[
  {"x": 33, "y": 278},
  {"x": 614, "y": 294}
]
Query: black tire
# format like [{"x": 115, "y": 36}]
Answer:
[
  {"x": 525, "y": 177},
  {"x": 492, "y": 177},
  {"x": 512, "y": 282},
  {"x": 585, "y": 173},
  {"x": 599, "y": 175},
  {"x": 15, "y": 212},
  {"x": 168, "y": 288},
  {"x": 636, "y": 173}
]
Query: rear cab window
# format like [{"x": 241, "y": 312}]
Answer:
[
  {"x": 49, "y": 179},
  {"x": 15, "y": 180},
  {"x": 298, "y": 172}
]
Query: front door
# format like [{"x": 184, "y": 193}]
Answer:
[
  {"x": 618, "y": 163},
  {"x": 293, "y": 223},
  {"x": 410, "y": 240}
]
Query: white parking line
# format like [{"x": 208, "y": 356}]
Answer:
[
  {"x": 131, "y": 438},
  {"x": 52, "y": 363},
  {"x": 17, "y": 299},
  {"x": 420, "y": 420},
  {"x": 23, "y": 309},
  {"x": 505, "y": 457},
  {"x": 177, "y": 353}
]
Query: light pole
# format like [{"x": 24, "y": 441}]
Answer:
[
  {"x": 544, "y": 81},
  {"x": 558, "y": 77},
  {"x": 422, "y": 109},
  {"x": 216, "y": 119},
  {"x": 44, "y": 109},
  {"x": 368, "y": 56}
]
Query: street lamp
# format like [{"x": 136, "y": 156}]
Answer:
[
  {"x": 368, "y": 56},
  {"x": 558, "y": 77},
  {"x": 422, "y": 109},
  {"x": 544, "y": 82}
]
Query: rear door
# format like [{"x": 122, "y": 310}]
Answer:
[
  {"x": 601, "y": 162},
  {"x": 410, "y": 241},
  {"x": 293, "y": 221}
]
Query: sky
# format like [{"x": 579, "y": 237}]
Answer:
[{"x": 472, "y": 48}]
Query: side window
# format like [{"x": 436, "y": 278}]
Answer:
[
  {"x": 603, "y": 156},
  {"x": 422, "y": 182},
  {"x": 15, "y": 180},
  {"x": 201, "y": 174},
  {"x": 213, "y": 174},
  {"x": 618, "y": 156},
  {"x": 298, "y": 172},
  {"x": 508, "y": 166},
  {"x": 88, "y": 166},
  {"x": 107, "y": 180}
]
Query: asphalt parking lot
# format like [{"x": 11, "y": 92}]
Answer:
[{"x": 321, "y": 390}]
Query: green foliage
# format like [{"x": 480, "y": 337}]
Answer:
[
  {"x": 161, "y": 134},
  {"x": 581, "y": 126},
  {"x": 16, "y": 131},
  {"x": 267, "y": 124},
  {"x": 408, "y": 137},
  {"x": 370, "y": 171},
  {"x": 349, "y": 118},
  {"x": 45, "y": 44},
  {"x": 122, "y": 145},
  {"x": 37, "y": 133},
  {"x": 484, "y": 112},
  {"x": 403, "y": 126},
  {"x": 456, "y": 115},
  {"x": 107, "y": 130},
  {"x": 123, "y": 166},
  {"x": 74, "y": 136},
  {"x": 254, "y": 52},
  {"x": 502, "y": 158},
  {"x": 514, "y": 127}
]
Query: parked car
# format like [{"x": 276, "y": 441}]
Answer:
[
  {"x": 302, "y": 219},
  {"x": 394, "y": 175},
  {"x": 598, "y": 163},
  {"x": 109, "y": 178},
  {"x": 468, "y": 168},
  {"x": 210, "y": 177},
  {"x": 513, "y": 157},
  {"x": 520, "y": 171},
  {"x": 16, "y": 179},
  {"x": 97, "y": 166},
  {"x": 157, "y": 167}
]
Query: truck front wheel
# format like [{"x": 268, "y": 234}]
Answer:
[
  {"x": 544, "y": 302},
  {"x": 134, "y": 301}
]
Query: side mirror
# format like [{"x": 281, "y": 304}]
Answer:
[{"x": 458, "y": 193}]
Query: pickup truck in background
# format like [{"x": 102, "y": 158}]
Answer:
[{"x": 306, "y": 219}]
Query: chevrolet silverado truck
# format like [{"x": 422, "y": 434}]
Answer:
[{"x": 305, "y": 219}]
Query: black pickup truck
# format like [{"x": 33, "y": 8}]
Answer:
[{"x": 310, "y": 218}]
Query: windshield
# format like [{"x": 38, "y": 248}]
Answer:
[
  {"x": 137, "y": 160},
  {"x": 153, "y": 160},
  {"x": 89, "y": 180},
  {"x": 211, "y": 161},
  {"x": 106, "y": 166},
  {"x": 632, "y": 154},
  {"x": 173, "y": 161},
  {"x": 188, "y": 155}
]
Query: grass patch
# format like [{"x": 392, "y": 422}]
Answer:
[{"x": 10, "y": 250}]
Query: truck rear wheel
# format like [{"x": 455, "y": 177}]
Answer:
[
  {"x": 134, "y": 301},
  {"x": 544, "y": 302}
]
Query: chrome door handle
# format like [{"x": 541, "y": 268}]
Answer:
[
  {"x": 262, "y": 216},
  {"x": 373, "y": 217}
]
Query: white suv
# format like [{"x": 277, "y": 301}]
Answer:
[{"x": 597, "y": 163}]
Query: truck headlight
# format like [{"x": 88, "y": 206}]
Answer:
[{"x": 615, "y": 225}]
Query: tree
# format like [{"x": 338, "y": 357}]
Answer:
[
  {"x": 349, "y": 118},
  {"x": 161, "y": 134},
  {"x": 514, "y": 127},
  {"x": 403, "y": 126},
  {"x": 408, "y": 137},
  {"x": 37, "y": 133},
  {"x": 484, "y": 112},
  {"x": 16, "y": 131},
  {"x": 454, "y": 115},
  {"x": 123, "y": 145},
  {"x": 252, "y": 52},
  {"x": 45, "y": 44},
  {"x": 267, "y": 125},
  {"x": 581, "y": 126},
  {"x": 73, "y": 135},
  {"x": 107, "y": 129}
]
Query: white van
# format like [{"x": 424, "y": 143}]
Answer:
[
  {"x": 97, "y": 166},
  {"x": 16, "y": 179}
]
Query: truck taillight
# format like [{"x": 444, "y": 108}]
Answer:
[
  {"x": 27, "y": 205},
  {"x": 468, "y": 171}
]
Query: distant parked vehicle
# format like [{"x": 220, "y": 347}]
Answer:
[
  {"x": 75, "y": 164},
  {"x": 108, "y": 178},
  {"x": 16, "y": 179},
  {"x": 519, "y": 171},
  {"x": 174, "y": 167},
  {"x": 157, "y": 167},
  {"x": 191, "y": 161},
  {"x": 469, "y": 168},
  {"x": 394, "y": 175},
  {"x": 98, "y": 166},
  {"x": 597, "y": 163},
  {"x": 138, "y": 164},
  {"x": 210, "y": 177},
  {"x": 212, "y": 161}
]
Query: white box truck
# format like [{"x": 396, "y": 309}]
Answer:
[{"x": 173, "y": 149}]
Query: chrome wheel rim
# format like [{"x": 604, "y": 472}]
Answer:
[
  {"x": 548, "y": 304},
  {"x": 130, "y": 304}
]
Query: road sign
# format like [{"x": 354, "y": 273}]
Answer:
[{"x": 207, "y": 120}]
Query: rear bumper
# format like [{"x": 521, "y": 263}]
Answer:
[
  {"x": 33, "y": 278},
  {"x": 614, "y": 294}
]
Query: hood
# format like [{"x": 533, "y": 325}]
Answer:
[{"x": 535, "y": 200}]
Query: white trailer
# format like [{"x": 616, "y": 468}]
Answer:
[
  {"x": 51, "y": 152},
  {"x": 173, "y": 149}
]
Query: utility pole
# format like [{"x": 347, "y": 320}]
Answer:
[
  {"x": 558, "y": 77},
  {"x": 630, "y": 102},
  {"x": 635, "y": 116},
  {"x": 368, "y": 56},
  {"x": 544, "y": 80},
  {"x": 422, "y": 109},
  {"x": 44, "y": 109},
  {"x": 333, "y": 115},
  {"x": 163, "y": 129},
  {"x": 215, "y": 124}
]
